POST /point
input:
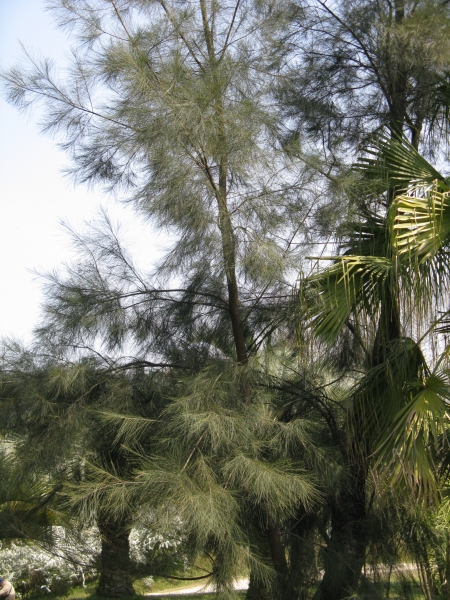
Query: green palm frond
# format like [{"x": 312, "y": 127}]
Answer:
[
  {"x": 419, "y": 215},
  {"x": 380, "y": 394},
  {"x": 357, "y": 280},
  {"x": 26, "y": 519},
  {"x": 405, "y": 448},
  {"x": 394, "y": 162},
  {"x": 350, "y": 285},
  {"x": 28, "y": 503},
  {"x": 400, "y": 410},
  {"x": 421, "y": 223}
]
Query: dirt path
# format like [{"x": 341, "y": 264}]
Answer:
[{"x": 241, "y": 584}]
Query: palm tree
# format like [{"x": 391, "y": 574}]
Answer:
[{"x": 374, "y": 289}]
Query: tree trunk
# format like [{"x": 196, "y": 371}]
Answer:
[
  {"x": 345, "y": 553},
  {"x": 272, "y": 551},
  {"x": 278, "y": 556},
  {"x": 271, "y": 548},
  {"x": 447, "y": 566},
  {"x": 220, "y": 191},
  {"x": 397, "y": 84},
  {"x": 303, "y": 572},
  {"x": 115, "y": 565},
  {"x": 257, "y": 590}
]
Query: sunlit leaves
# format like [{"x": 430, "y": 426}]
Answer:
[{"x": 422, "y": 221}]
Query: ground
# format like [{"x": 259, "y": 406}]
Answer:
[
  {"x": 401, "y": 587},
  {"x": 187, "y": 593}
]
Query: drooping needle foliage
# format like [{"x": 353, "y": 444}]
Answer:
[{"x": 281, "y": 409}]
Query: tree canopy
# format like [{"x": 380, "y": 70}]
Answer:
[{"x": 277, "y": 385}]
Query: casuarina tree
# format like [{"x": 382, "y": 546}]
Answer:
[
  {"x": 169, "y": 105},
  {"x": 58, "y": 413}
]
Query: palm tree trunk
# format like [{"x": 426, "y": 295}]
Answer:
[{"x": 345, "y": 553}]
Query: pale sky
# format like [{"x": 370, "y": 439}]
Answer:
[{"x": 34, "y": 195}]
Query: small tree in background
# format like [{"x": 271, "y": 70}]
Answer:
[{"x": 53, "y": 408}]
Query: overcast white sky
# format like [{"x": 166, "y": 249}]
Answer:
[{"x": 34, "y": 195}]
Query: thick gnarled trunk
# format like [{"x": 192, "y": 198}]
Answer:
[{"x": 115, "y": 564}]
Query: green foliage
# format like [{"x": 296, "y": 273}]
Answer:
[{"x": 265, "y": 423}]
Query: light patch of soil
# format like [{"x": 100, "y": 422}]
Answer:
[{"x": 240, "y": 584}]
